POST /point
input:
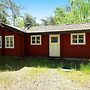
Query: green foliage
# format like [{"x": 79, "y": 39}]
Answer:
[
  {"x": 20, "y": 22},
  {"x": 29, "y": 21},
  {"x": 59, "y": 15},
  {"x": 85, "y": 68},
  {"x": 3, "y": 18},
  {"x": 8, "y": 6},
  {"x": 75, "y": 76},
  {"x": 16, "y": 63},
  {"x": 48, "y": 21},
  {"x": 78, "y": 11}
]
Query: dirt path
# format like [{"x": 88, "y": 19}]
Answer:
[{"x": 51, "y": 80}]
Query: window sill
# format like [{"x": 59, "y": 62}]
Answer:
[
  {"x": 9, "y": 47},
  {"x": 78, "y": 43},
  {"x": 36, "y": 44}
]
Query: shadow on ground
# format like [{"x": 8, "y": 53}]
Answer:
[{"x": 17, "y": 63}]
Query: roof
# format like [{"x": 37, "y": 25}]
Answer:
[
  {"x": 54, "y": 28},
  {"x": 12, "y": 28},
  {"x": 60, "y": 28}
]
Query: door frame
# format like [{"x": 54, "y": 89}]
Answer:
[{"x": 58, "y": 43}]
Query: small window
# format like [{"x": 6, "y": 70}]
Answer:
[
  {"x": 36, "y": 40},
  {"x": 74, "y": 37},
  {"x": 54, "y": 39},
  {"x": 0, "y": 42},
  {"x": 9, "y": 41},
  {"x": 81, "y": 38},
  {"x": 78, "y": 39}
]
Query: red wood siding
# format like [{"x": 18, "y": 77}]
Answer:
[
  {"x": 23, "y": 47},
  {"x": 37, "y": 50},
  {"x": 74, "y": 51},
  {"x": 18, "y": 49}
]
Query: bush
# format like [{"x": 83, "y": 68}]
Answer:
[{"x": 85, "y": 68}]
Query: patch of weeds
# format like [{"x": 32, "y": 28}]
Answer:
[
  {"x": 76, "y": 76},
  {"x": 85, "y": 68}
]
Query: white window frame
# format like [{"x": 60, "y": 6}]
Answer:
[
  {"x": 78, "y": 39},
  {"x": 9, "y": 41},
  {"x": 35, "y": 39},
  {"x": 1, "y": 41}
]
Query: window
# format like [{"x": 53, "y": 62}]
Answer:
[
  {"x": 36, "y": 40},
  {"x": 54, "y": 39},
  {"x": 0, "y": 42},
  {"x": 78, "y": 39},
  {"x": 9, "y": 41}
]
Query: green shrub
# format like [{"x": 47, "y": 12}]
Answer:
[{"x": 85, "y": 68}]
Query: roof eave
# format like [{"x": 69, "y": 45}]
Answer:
[
  {"x": 12, "y": 29},
  {"x": 69, "y": 31}
]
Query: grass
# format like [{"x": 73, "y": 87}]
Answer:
[
  {"x": 17, "y": 63},
  {"x": 76, "y": 76},
  {"x": 25, "y": 68},
  {"x": 85, "y": 68},
  {"x": 30, "y": 67},
  {"x": 82, "y": 76}
]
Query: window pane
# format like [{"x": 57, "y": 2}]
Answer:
[
  {"x": 7, "y": 38},
  {"x": 54, "y": 39},
  {"x": 80, "y": 36},
  {"x": 7, "y": 41},
  {"x": 11, "y": 41},
  {"x": 11, "y": 38},
  {"x": 11, "y": 44},
  {"x": 74, "y": 39},
  {"x": 81, "y": 41},
  {"x": 74, "y": 36},
  {"x": 37, "y": 39},
  {"x": 7, "y": 45},
  {"x": 0, "y": 38},
  {"x": 33, "y": 39},
  {"x": 0, "y": 45}
]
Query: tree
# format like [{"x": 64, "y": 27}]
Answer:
[
  {"x": 81, "y": 9},
  {"x": 14, "y": 10},
  {"x": 20, "y": 22},
  {"x": 8, "y": 6},
  {"x": 3, "y": 14},
  {"x": 59, "y": 15},
  {"x": 78, "y": 11},
  {"x": 44, "y": 22},
  {"x": 48, "y": 21},
  {"x": 29, "y": 21},
  {"x": 3, "y": 17}
]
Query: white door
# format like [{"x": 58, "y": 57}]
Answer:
[{"x": 54, "y": 45}]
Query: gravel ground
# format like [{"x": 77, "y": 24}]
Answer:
[{"x": 50, "y": 80}]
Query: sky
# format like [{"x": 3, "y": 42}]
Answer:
[{"x": 40, "y": 8}]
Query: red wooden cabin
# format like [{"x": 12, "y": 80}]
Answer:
[{"x": 66, "y": 41}]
